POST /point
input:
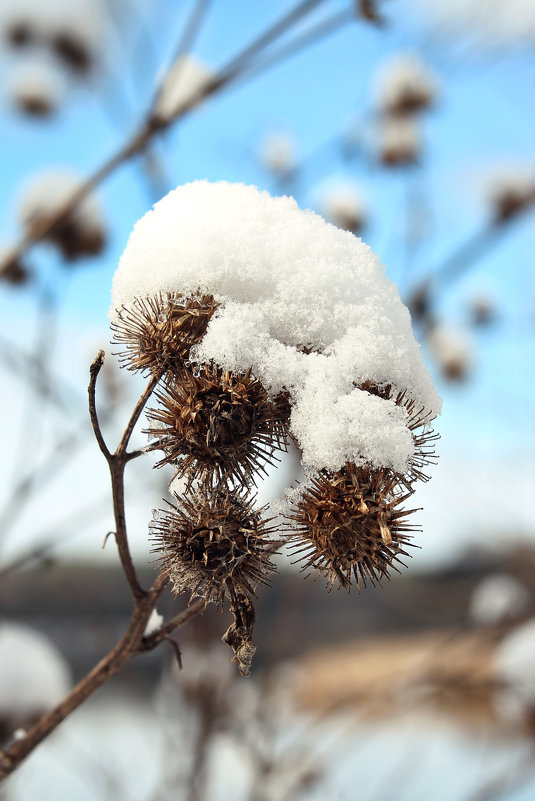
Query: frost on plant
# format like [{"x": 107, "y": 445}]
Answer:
[{"x": 266, "y": 323}]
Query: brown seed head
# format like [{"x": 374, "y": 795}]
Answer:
[
  {"x": 348, "y": 524},
  {"x": 510, "y": 202},
  {"x": 158, "y": 332},
  {"x": 215, "y": 545},
  {"x": 218, "y": 426},
  {"x": 72, "y": 51},
  {"x": 411, "y": 100},
  {"x": 20, "y": 34}
]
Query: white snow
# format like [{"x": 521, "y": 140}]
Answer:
[
  {"x": 153, "y": 623},
  {"x": 181, "y": 86},
  {"x": 34, "y": 676},
  {"x": 515, "y": 666},
  {"x": 286, "y": 278},
  {"x": 497, "y": 599}
]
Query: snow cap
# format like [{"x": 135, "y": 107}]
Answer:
[{"x": 304, "y": 304}]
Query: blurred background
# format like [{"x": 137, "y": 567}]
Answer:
[{"x": 409, "y": 123}]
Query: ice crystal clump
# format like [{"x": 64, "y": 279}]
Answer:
[{"x": 304, "y": 305}]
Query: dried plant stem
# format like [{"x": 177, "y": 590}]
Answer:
[
  {"x": 133, "y": 642},
  {"x": 464, "y": 257},
  {"x": 117, "y": 462},
  {"x": 128, "y": 646}
]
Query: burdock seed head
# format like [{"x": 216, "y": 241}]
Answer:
[
  {"x": 158, "y": 332},
  {"x": 214, "y": 545},
  {"x": 218, "y": 426},
  {"x": 349, "y": 525}
]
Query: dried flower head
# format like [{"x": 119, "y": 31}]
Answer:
[
  {"x": 215, "y": 545},
  {"x": 158, "y": 332},
  {"x": 344, "y": 206},
  {"x": 81, "y": 232},
  {"x": 511, "y": 195},
  {"x": 12, "y": 270},
  {"x": 73, "y": 51},
  {"x": 278, "y": 155},
  {"x": 399, "y": 142},
  {"x": 20, "y": 33},
  {"x": 348, "y": 524},
  {"x": 36, "y": 88},
  {"x": 453, "y": 352},
  {"x": 218, "y": 426},
  {"x": 405, "y": 86}
]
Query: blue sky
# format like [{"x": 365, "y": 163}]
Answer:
[{"x": 485, "y": 118}]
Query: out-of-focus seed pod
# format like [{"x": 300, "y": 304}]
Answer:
[{"x": 80, "y": 233}]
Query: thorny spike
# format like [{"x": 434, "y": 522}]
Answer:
[{"x": 347, "y": 524}]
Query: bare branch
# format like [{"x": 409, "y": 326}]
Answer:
[
  {"x": 130, "y": 644},
  {"x": 94, "y": 371}
]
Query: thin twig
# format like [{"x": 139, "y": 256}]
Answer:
[
  {"x": 125, "y": 439},
  {"x": 186, "y": 41},
  {"x": 94, "y": 371},
  {"x": 312, "y": 36},
  {"x": 130, "y": 644}
]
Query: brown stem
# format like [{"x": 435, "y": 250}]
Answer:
[
  {"x": 117, "y": 462},
  {"x": 125, "y": 439},
  {"x": 121, "y": 538},
  {"x": 130, "y": 644},
  {"x": 94, "y": 370}
]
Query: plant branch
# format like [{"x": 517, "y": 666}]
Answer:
[
  {"x": 128, "y": 646},
  {"x": 94, "y": 370}
]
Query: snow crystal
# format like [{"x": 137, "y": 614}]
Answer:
[
  {"x": 497, "y": 599},
  {"x": 153, "y": 623},
  {"x": 34, "y": 675},
  {"x": 288, "y": 281},
  {"x": 514, "y": 665},
  {"x": 183, "y": 83}
]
